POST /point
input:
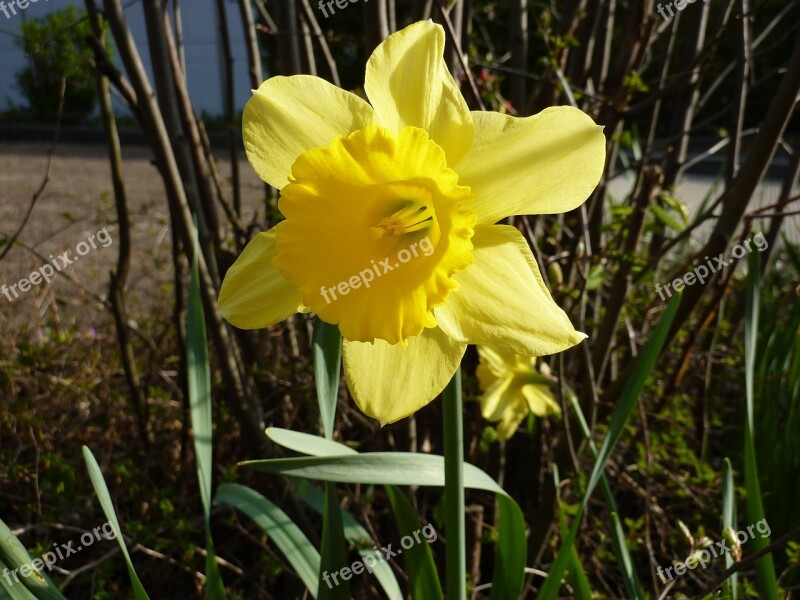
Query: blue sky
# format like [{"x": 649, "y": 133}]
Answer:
[{"x": 200, "y": 38}]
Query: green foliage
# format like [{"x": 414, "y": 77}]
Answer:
[{"x": 57, "y": 52}]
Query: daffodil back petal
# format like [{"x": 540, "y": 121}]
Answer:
[
  {"x": 254, "y": 293},
  {"x": 511, "y": 420},
  {"x": 497, "y": 398},
  {"x": 408, "y": 83},
  {"x": 497, "y": 364},
  {"x": 288, "y": 116},
  {"x": 389, "y": 382},
  {"x": 503, "y": 301},
  {"x": 540, "y": 400},
  {"x": 544, "y": 164}
]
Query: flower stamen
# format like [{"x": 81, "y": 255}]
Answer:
[{"x": 415, "y": 216}]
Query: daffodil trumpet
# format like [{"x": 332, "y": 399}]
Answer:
[{"x": 361, "y": 181}]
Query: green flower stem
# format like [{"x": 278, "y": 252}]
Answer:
[{"x": 454, "y": 490}]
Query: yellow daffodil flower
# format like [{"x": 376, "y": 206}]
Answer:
[
  {"x": 390, "y": 220},
  {"x": 512, "y": 387}
]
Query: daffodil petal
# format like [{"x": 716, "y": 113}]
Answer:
[
  {"x": 511, "y": 420},
  {"x": 493, "y": 364},
  {"x": 540, "y": 400},
  {"x": 255, "y": 294},
  {"x": 389, "y": 382},
  {"x": 503, "y": 302},
  {"x": 485, "y": 375},
  {"x": 408, "y": 83},
  {"x": 497, "y": 398},
  {"x": 288, "y": 116},
  {"x": 504, "y": 404},
  {"x": 544, "y": 164}
]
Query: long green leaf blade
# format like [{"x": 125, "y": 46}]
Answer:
[
  {"x": 512, "y": 549},
  {"x": 333, "y": 557},
  {"x": 398, "y": 468},
  {"x": 402, "y": 468},
  {"x": 632, "y": 585},
  {"x": 100, "y": 488},
  {"x": 327, "y": 369},
  {"x": 14, "y": 554},
  {"x": 356, "y": 535},
  {"x": 423, "y": 580},
  {"x": 336, "y": 462},
  {"x": 199, "y": 385},
  {"x": 731, "y": 588},
  {"x": 13, "y": 590},
  {"x": 305, "y": 443},
  {"x": 288, "y": 538},
  {"x": 630, "y": 393},
  {"x": 765, "y": 569}
]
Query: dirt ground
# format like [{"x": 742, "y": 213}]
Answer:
[{"x": 76, "y": 203}]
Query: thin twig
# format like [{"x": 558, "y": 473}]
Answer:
[
  {"x": 46, "y": 179},
  {"x": 461, "y": 58},
  {"x": 747, "y": 561}
]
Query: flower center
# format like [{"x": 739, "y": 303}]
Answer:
[
  {"x": 415, "y": 216},
  {"x": 376, "y": 226}
]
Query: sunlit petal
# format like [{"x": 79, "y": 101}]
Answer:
[
  {"x": 290, "y": 115},
  {"x": 503, "y": 302},
  {"x": 389, "y": 382},
  {"x": 408, "y": 83},
  {"x": 255, "y": 294},
  {"x": 544, "y": 164}
]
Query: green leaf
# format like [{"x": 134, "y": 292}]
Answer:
[
  {"x": 327, "y": 369},
  {"x": 402, "y": 468},
  {"x": 619, "y": 541},
  {"x": 575, "y": 573},
  {"x": 677, "y": 206},
  {"x": 666, "y": 218},
  {"x": 632, "y": 585},
  {"x": 423, "y": 580},
  {"x": 353, "y": 531},
  {"x": 398, "y": 468},
  {"x": 100, "y": 488},
  {"x": 731, "y": 588},
  {"x": 334, "y": 552},
  {"x": 13, "y": 591},
  {"x": 282, "y": 531},
  {"x": 305, "y": 443},
  {"x": 12, "y": 556},
  {"x": 765, "y": 569},
  {"x": 199, "y": 385},
  {"x": 596, "y": 279},
  {"x": 512, "y": 550},
  {"x": 628, "y": 397},
  {"x": 356, "y": 535}
]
